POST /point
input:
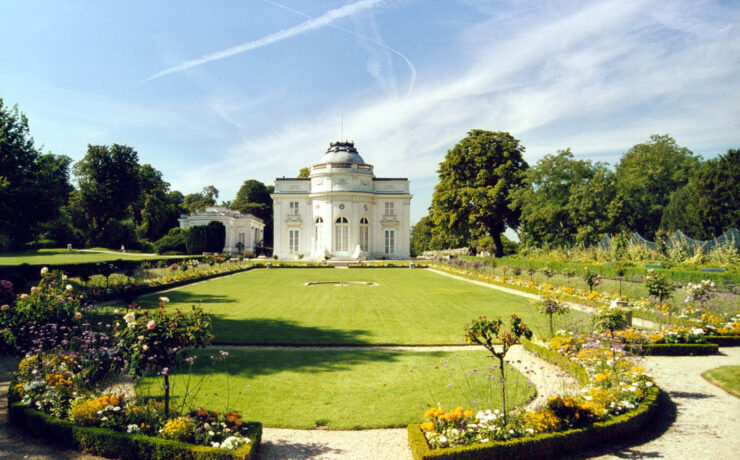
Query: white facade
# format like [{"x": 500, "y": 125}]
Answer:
[
  {"x": 341, "y": 211},
  {"x": 244, "y": 228}
]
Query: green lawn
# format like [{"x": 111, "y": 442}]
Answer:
[
  {"x": 725, "y": 377},
  {"x": 407, "y": 307},
  {"x": 62, "y": 256},
  {"x": 341, "y": 389}
]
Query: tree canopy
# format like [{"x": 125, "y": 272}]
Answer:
[
  {"x": 33, "y": 186},
  {"x": 199, "y": 201},
  {"x": 473, "y": 196},
  {"x": 647, "y": 175}
]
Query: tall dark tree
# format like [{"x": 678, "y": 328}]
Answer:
[
  {"x": 476, "y": 180},
  {"x": 647, "y": 175},
  {"x": 33, "y": 187},
  {"x": 253, "y": 198},
  {"x": 108, "y": 181},
  {"x": 710, "y": 203},
  {"x": 544, "y": 198}
]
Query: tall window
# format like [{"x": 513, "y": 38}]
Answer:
[
  {"x": 317, "y": 234},
  {"x": 293, "y": 242},
  {"x": 364, "y": 233},
  {"x": 341, "y": 234},
  {"x": 243, "y": 240},
  {"x": 388, "y": 208},
  {"x": 293, "y": 208},
  {"x": 390, "y": 241}
]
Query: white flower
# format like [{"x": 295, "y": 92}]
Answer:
[
  {"x": 45, "y": 270},
  {"x": 648, "y": 384},
  {"x": 164, "y": 300},
  {"x": 215, "y": 444},
  {"x": 211, "y": 433},
  {"x": 443, "y": 439},
  {"x": 104, "y": 419},
  {"x": 129, "y": 317},
  {"x": 68, "y": 287}
]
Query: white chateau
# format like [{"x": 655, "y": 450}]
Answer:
[
  {"x": 240, "y": 228},
  {"x": 341, "y": 211}
]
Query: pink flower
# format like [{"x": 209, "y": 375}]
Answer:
[
  {"x": 151, "y": 325},
  {"x": 34, "y": 290},
  {"x": 4, "y": 307},
  {"x": 24, "y": 296}
]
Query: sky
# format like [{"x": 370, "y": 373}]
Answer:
[{"x": 218, "y": 92}]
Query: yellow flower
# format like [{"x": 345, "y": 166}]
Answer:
[{"x": 427, "y": 426}]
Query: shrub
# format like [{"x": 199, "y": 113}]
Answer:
[
  {"x": 174, "y": 241},
  {"x": 196, "y": 239},
  {"x": 215, "y": 237}
]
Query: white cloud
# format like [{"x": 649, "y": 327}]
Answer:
[{"x": 312, "y": 24}]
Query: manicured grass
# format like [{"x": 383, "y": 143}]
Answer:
[
  {"x": 342, "y": 389},
  {"x": 62, "y": 256},
  {"x": 407, "y": 307},
  {"x": 725, "y": 377}
]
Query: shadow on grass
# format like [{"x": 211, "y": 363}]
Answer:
[
  {"x": 179, "y": 296},
  {"x": 264, "y": 331},
  {"x": 251, "y": 363}
]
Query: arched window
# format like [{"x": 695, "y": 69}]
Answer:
[
  {"x": 364, "y": 234},
  {"x": 317, "y": 232},
  {"x": 341, "y": 234}
]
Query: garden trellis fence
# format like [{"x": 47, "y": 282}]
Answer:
[{"x": 679, "y": 238}]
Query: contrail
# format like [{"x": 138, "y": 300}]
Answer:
[
  {"x": 316, "y": 23},
  {"x": 412, "y": 69}
]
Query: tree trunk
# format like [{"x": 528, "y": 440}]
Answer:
[
  {"x": 166, "y": 395},
  {"x": 503, "y": 388},
  {"x": 499, "y": 250}
]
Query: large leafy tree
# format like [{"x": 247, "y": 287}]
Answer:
[
  {"x": 594, "y": 209},
  {"x": 199, "y": 201},
  {"x": 421, "y": 236},
  {"x": 647, "y": 175},
  {"x": 254, "y": 198},
  {"x": 545, "y": 199},
  {"x": 109, "y": 183},
  {"x": 476, "y": 180},
  {"x": 33, "y": 186},
  {"x": 710, "y": 202}
]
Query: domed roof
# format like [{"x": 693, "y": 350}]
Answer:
[{"x": 341, "y": 152}]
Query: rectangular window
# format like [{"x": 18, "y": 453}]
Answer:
[
  {"x": 242, "y": 239},
  {"x": 363, "y": 237},
  {"x": 388, "y": 208},
  {"x": 293, "y": 208},
  {"x": 390, "y": 241},
  {"x": 342, "y": 236},
  {"x": 293, "y": 242}
]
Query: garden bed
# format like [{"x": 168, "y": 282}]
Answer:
[
  {"x": 115, "y": 444},
  {"x": 546, "y": 445}
]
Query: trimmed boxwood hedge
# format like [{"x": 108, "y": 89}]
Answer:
[
  {"x": 24, "y": 275},
  {"x": 674, "y": 349},
  {"x": 724, "y": 340},
  {"x": 115, "y": 444},
  {"x": 546, "y": 445}
]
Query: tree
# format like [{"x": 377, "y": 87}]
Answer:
[
  {"x": 254, "y": 198},
  {"x": 647, "y": 175},
  {"x": 594, "y": 209},
  {"x": 421, "y": 236},
  {"x": 304, "y": 172},
  {"x": 33, "y": 187},
  {"x": 199, "y": 201},
  {"x": 108, "y": 180},
  {"x": 710, "y": 202},
  {"x": 477, "y": 178}
]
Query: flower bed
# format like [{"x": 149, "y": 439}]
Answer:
[
  {"x": 617, "y": 398},
  {"x": 115, "y": 444},
  {"x": 546, "y": 445}
]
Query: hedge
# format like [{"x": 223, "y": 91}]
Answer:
[
  {"x": 674, "y": 349},
  {"x": 724, "y": 340},
  {"x": 28, "y": 274},
  {"x": 115, "y": 444},
  {"x": 610, "y": 271},
  {"x": 546, "y": 445}
]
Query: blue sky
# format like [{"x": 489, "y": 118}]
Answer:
[{"x": 223, "y": 91}]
